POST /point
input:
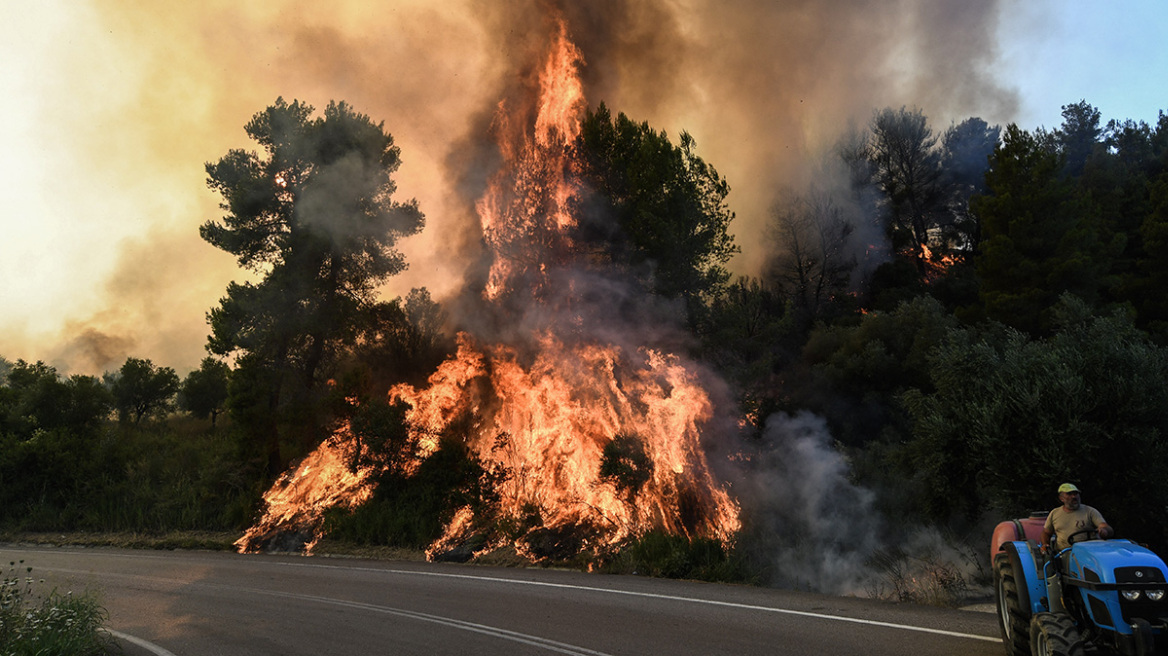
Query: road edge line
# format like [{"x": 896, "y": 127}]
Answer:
[{"x": 144, "y": 644}]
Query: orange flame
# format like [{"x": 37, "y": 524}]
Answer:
[
  {"x": 542, "y": 413},
  {"x": 526, "y": 208},
  {"x": 295, "y": 504},
  {"x": 550, "y": 421},
  {"x": 935, "y": 267}
]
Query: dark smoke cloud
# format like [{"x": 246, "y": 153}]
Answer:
[
  {"x": 764, "y": 86},
  {"x": 91, "y": 350}
]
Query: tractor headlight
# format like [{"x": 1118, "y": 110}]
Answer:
[
  {"x": 1131, "y": 595},
  {"x": 1155, "y": 595}
]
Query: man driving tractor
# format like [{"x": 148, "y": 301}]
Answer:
[{"x": 1071, "y": 518}]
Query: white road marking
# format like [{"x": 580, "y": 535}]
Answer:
[
  {"x": 495, "y": 632},
  {"x": 524, "y": 638},
  {"x": 149, "y": 646},
  {"x": 652, "y": 595}
]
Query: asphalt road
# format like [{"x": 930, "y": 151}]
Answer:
[{"x": 201, "y": 603}]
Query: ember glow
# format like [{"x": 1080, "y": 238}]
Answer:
[
  {"x": 540, "y": 407},
  {"x": 935, "y": 267}
]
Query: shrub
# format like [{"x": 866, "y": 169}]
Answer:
[
  {"x": 677, "y": 557},
  {"x": 55, "y": 625}
]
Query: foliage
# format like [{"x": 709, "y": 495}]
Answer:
[
  {"x": 381, "y": 434},
  {"x": 625, "y": 464},
  {"x": 411, "y": 509},
  {"x": 1013, "y": 416},
  {"x": 204, "y": 390},
  {"x": 813, "y": 257},
  {"x": 314, "y": 216},
  {"x": 1074, "y": 210},
  {"x": 654, "y": 209},
  {"x": 677, "y": 557},
  {"x": 59, "y": 625},
  {"x": 749, "y": 334},
  {"x": 856, "y": 372},
  {"x": 907, "y": 168},
  {"x": 140, "y": 389},
  {"x": 1038, "y": 239},
  {"x": 398, "y": 341},
  {"x": 965, "y": 151},
  {"x": 154, "y": 479},
  {"x": 1078, "y": 137},
  {"x": 35, "y": 397}
]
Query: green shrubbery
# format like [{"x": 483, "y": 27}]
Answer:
[
  {"x": 412, "y": 510},
  {"x": 157, "y": 478},
  {"x": 677, "y": 557}
]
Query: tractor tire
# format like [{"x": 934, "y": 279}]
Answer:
[
  {"x": 1013, "y": 619},
  {"x": 1055, "y": 634}
]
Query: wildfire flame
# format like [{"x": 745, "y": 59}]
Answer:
[
  {"x": 296, "y": 503},
  {"x": 542, "y": 411},
  {"x": 935, "y": 267}
]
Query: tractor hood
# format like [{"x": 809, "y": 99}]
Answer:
[{"x": 1098, "y": 560}]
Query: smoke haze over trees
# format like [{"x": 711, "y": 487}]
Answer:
[{"x": 761, "y": 86}]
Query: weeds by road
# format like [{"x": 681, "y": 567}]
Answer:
[{"x": 52, "y": 624}]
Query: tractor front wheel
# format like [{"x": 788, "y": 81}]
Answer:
[
  {"x": 1055, "y": 634},
  {"x": 1013, "y": 619}
]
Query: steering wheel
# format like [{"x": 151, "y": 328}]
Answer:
[{"x": 1086, "y": 531}]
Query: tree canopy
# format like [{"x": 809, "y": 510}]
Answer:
[
  {"x": 141, "y": 389},
  {"x": 1011, "y": 416},
  {"x": 204, "y": 390},
  {"x": 314, "y": 215},
  {"x": 653, "y": 208}
]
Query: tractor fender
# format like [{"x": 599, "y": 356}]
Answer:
[{"x": 1031, "y": 583}]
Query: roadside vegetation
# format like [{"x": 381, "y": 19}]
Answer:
[
  {"x": 975, "y": 314},
  {"x": 34, "y": 623}
]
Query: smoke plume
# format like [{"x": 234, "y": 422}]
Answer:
[{"x": 760, "y": 85}]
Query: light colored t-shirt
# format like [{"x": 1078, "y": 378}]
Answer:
[{"x": 1064, "y": 523}]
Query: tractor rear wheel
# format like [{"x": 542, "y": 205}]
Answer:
[
  {"x": 1013, "y": 619},
  {"x": 1055, "y": 634}
]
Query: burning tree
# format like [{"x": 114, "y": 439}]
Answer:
[
  {"x": 315, "y": 217},
  {"x": 589, "y": 426}
]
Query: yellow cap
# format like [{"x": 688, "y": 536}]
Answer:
[{"x": 1068, "y": 487}]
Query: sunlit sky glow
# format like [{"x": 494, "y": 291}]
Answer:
[{"x": 109, "y": 110}]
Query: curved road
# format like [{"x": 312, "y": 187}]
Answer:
[{"x": 202, "y": 603}]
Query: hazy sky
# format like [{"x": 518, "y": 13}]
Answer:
[{"x": 109, "y": 110}]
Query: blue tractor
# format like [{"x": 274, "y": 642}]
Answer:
[{"x": 1094, "y": 596}]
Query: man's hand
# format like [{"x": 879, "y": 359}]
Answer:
[{"x": 1104, "y": 531}]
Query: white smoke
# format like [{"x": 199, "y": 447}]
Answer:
[
  {"x": 821, "y": 529},
  {"x": 813, "y": 529}
]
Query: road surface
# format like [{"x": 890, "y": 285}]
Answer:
[{"x": 189, "y": 603}]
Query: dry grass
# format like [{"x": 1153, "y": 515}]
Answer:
[{"x": 194, "y": 540}]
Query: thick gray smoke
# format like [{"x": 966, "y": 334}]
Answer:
[{"x": 822, "y": 529}]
